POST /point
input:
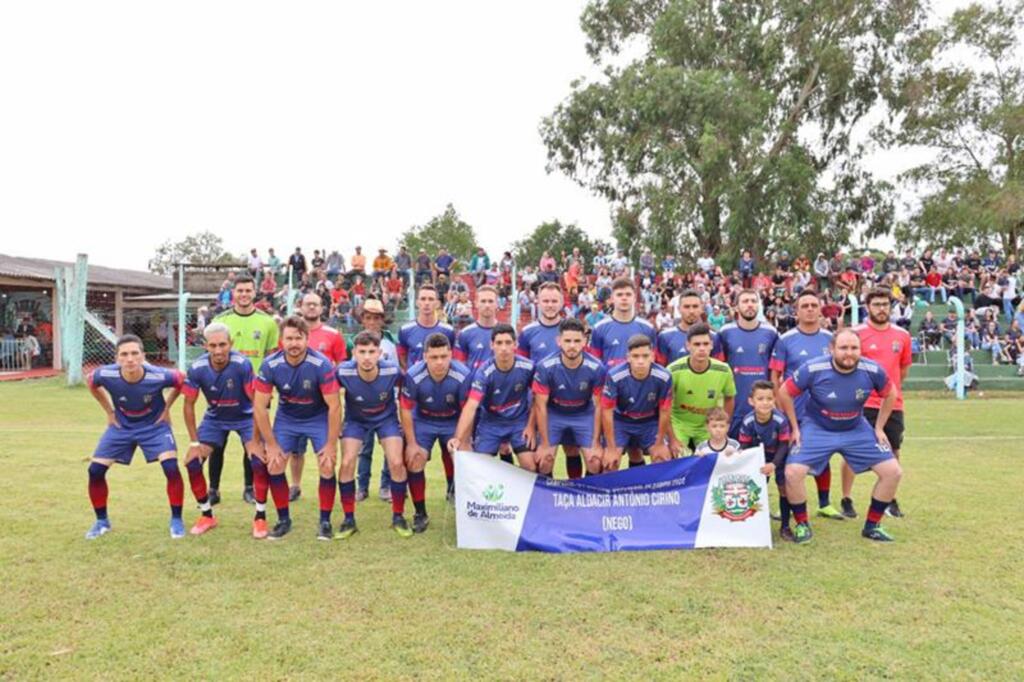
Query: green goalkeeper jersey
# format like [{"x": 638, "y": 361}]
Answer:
[
  {"x": 253, "y": 335},
  {"x": 694, "y": 393}
]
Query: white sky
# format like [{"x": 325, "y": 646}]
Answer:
[{"x": 320, "y": 124}]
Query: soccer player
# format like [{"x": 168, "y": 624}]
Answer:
[
  {"x": 501, "y": 388},
  {"x": 254, "y": 334},
  {"x": 889, "y": 346},
  {"x": 327, "y": 341},
  {"x": 539, "y": 339},
  {"x": 412, "y": 335},
  {"x": 370, "y": 386},
  {"x": 718, "y": 441},
  {"x": 309, "y": 412},
  {"x": 837, "y": 388},
  {"x": 473, "y": 343},
  {"x": 225, "y": 378},
  {"x": 636, "y": 406},
  {"x": 671, "y": 343},
  {"x": 746, "y": 346},
  {"x": 434, "y": 391},
  {"x": 131, "y": 393},
  {"x": 768, "y": 427},
  {"x": 567, "y": 392},
  {"x": 610, "y": 338},
  {"x": 699, "y": 383},
  {"x": 807, "y": 340}
]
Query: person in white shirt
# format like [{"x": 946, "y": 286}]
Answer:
[{"x": 255, "y": 263}]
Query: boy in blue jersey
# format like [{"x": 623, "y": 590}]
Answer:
[
  {"x": 793, "y": 349},
  {"x": 309, "y": 411},
  {"x": 768, "y": 427},
  {"x": 746, "y": 346},
  {"x": 566, "y": 392},
  {"x": 412, "y": 335},
  {"x": 371, "y": 386},
  {"x": 636, "y": 407},
  {"x": 610, "y": 339},
  {"x": 434, "y": 391},
  {"x": 473, "y": 343},
  {"x": 131, "y": 393},
  {"x": 225, "y": 378},
  {"x": 837, "y": 387},
  {"x": 671, "y": 342},
  {"x": 501, "y": 388},
  {"x": 539, "y": 339}
]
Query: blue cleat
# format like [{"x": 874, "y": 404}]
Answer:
[
  {"x": 101, "y": 527},
  {"x": 177, "y": 529}
]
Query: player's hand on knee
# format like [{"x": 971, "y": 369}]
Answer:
[
  {"x": 883, "y": 440},
  {"x": 275, "y": 457},
  {"x": 256, "y": 449},
  {"x": 661, "y": 453},
  {"x": 200, "y": 452},
  {"x": 675, "y": 446},
  {"x": 328, "y": 457}
]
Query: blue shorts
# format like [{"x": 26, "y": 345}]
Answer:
[
  {"x": 215, "y": 433},
  {"x": 384, "y": 428},
  {"x": 858, "y": 446},
  {"x": 643, "y": 435},
  {"x": 427, "y": 433},
  {"x": 293, "y": 434},
  {"x": 571, "y": 429},
  {"x": 490, "y": 434},
  {"x": 119, "y": 444}
]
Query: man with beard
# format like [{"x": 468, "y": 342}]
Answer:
[
  {"x": 671, "y": 343},
  {"x": 539, "y": 339},
  {"x": 746, "y": 345}
]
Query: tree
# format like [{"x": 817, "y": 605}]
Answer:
[
  {"x": 448, "y": 231},
  {"x": 201, "y": 247},
  {"x": 556, "y": 239},
  {"x": 971, "y": 112},
  {"x": 733, "y": 130}
]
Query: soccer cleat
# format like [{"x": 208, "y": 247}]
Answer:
[
  {"x": 346, "y": 530},
  {"x": 177, "y": 528},
  {"x": 401, "y": 526},
  {"x": 848, "y": 510},
  {"x": 294, "y": 493},
  {"x": 893, "y": 510},
  {"x": 802, "y": 535},
  {"x": 205, "y": 523},
  {"x": 249, "y": 495},
  {"x": 420, "y": 523},
  {"x": 283, "y": 527},
  {"x": 325, "y": 532},
  {"x": 786, "y": 534},
  {"x": 878, "y": 534},
  {"x": 214, "y": 496},
  {"x": 101, "y": 527},
  {"x": 384, "y": 494},
  {"x": 259, "y": 528},
  {"x": 830, "y": 512},
  {"x": 361, "y": 495}
]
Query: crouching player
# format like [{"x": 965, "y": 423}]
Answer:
[
  {"x": 433, "y": 393},
  {"x": 309, "y": 411},
  {"x": 636, "y": 407},
  {"x": 836, "y": 389},
  {"x": 226, "y": 380},
  {"x": 131, "y": 392},
  {"x": 370, "y": 384},
  {"x": 769, "y": 428}
]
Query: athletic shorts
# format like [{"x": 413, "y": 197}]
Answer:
[
  {"x": 215, "y": 433},
  {"x": 643, "y": 435},
  {"x": 384, "y": 428},
  {"x": 119, "y": 444},
  {"x": 893, "y": 428},
  {"x": 428, "y": 433},
  {"x": 293, "y": 434},
  {"x": 858, "y": 446},
  {"x": 571, "y": 429},
  {"x": 490, "y": 434},
  {"x": 690, "y": 438}
]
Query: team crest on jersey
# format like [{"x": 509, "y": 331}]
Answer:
[
  {"x": 583, "y": 385},
  {"x": 651, "y": 397},
  {"x": 382, "y": 396},
  {"x": 519, "y": 387},
  {"x": 762, "y": 348},
  {"x": 229, "y": 384},
  {"x": 306, "y": 384},
  {"x": 450, "y": 399},
  {"x": 147, "y": 399},
  {"x": 860, "y": 394},
  {"x": 736, "y": 497},
  {"x": 897, "y": 346},
  {"x": 256, "y": 334},
  {"x": 711, "y": 394}
]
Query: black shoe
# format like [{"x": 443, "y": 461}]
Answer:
[
  {"x": 848, "y": 510},
  {"x": 214, "y": 495},
  {"x": 420, "y": 523},
  {"x": 294, "y": 493},
  {"x": 893, "y": 510},
  {"x": 325, "y": 532},
  {"x": 249, "y": 495},
  {"x": 283, "y": 527},
  {"x": 786, "y": 533},
  {"x": 347, "y": 529}
]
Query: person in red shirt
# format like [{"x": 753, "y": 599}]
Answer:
[
  {"x": 393, "y": 286},
  {"x": 889, "y": 346},
  {"x": 934, "y": 281}
]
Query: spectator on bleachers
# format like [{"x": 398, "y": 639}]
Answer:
[
  {"x": 931, "y": 334},
  {"x": 268, "y": 286},
  {"x": 890, "y": 263},
  {"x": 548, "y": 273},
  {"x": 619, "y": 264},
  {"x": 403, "y": 263},
  {"x": 970, "y": 378},
  {"x": 357, "y": 264},
  {"x": 527, "y": 302},
  {"x": 901, "y": 314},
  {"x": 1014, "y": 345},
  {"x": 949, "y": 326},
  {"x": 317, "y": 262},
  {"x": 297, "y": 262},
  {"x": 1008, "y": 290},
  {"x": 357, "y": 292},
  {"x": 254, "y": 263},
  {"x": 991, "y": 341},
  {"x": 382, "y": 264},
  {"x": 479, "y": 264},
  {"x": 992, "y": 261},
  {"x": 972, "y": 330},
  {"x": 335, "y": 264},
  {"x": 274, "y": 263},
  {"x": 424, "y": 268},
  {"x": 747, "y": 268}
]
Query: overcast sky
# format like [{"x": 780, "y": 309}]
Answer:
[{"x": 320, "y": 124}]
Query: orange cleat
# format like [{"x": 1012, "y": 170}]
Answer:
[
  {"x": 204, "y": 524},
  {"x": 259, "y": 528}
]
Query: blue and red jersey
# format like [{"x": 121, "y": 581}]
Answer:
[
  {"x": 792, "y": 350},
  {"x": 436, "y": 401},
  {"x": 569, "y": 391},
  {"x": 637, "y": 400},
  {"x": 609, "y": 339},
  {"x": 835, "y": 400},
  {"x": 374, "y": 400},
  {"x": 301, "y": 387},
  {"x": 503, "y": 395},
  {"x": 671, "y": 345},
  {"x": 228, "y": 391},
  {"x": 139, "y": 403},
  {"x": 413, "y": 335},
  {"x": 749, "y": 354},
  {"x": 769, "y": 434},
  {"x": 538, "y": 341},
  {"x": 473, "y": 345}
]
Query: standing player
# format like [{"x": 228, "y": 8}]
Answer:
[
  {"x": 131, "y": 392},
  {"x": 473, "y": 344},
  {"x": 610, "y": 338},
  {"x": 412, "y": 335},
  {"x": 636, "y": 406},
  {"x": 836, "y": 389},
  {"x": 225, "y": 378},
  {"x": 433, "y": 393},
  {"x": 330, "y": 343},
  {"x": 309, "y": 411},
  {"x": 889, "y": 346},
  {"x": 807, "y": 340},
  {"x": 539, "y": 339},
  {"x": 567, "y": 391},
  {"x": 501, "y": 388},
  {"x": 699, "y": 383},
  {"x": 766, "y": 426},
  {"x": 672, "y": 342},
  {"x": 370, "y": 386},
  {"x": 372, "y": 319},
  {"x": 254, "y": 335},
  {"x": 746, "y": 345}
]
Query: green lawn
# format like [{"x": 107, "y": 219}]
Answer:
[{"x": 945, "y": 601}]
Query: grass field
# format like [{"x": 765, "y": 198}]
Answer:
[{"x": 945, "y": 601}]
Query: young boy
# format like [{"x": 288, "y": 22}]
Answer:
[
  {"x": 768, "y": 427},
  {"x": 718, "y": 435}
]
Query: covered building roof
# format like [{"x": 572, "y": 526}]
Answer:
[{"x": 42, "y": 269}]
